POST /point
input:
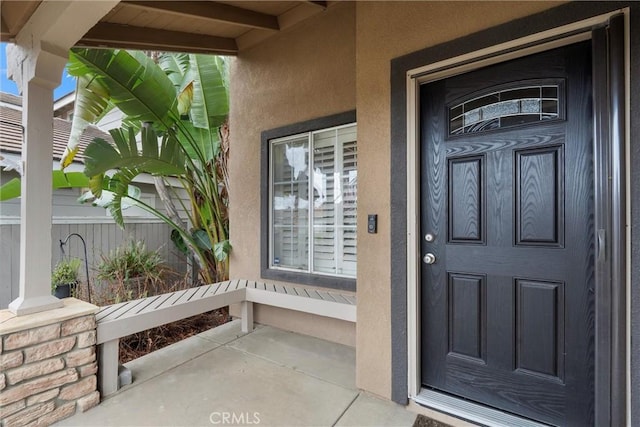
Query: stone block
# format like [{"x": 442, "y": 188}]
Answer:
[
  {"x": 60, "y": 413},
  {"x": 3, "y": 382},
  {"x": 43, "y": 397},
  {"x": 32, "y": 336},
  {"x": 11, "y": 360},
  {"x": 87, "y": 339},
  {"x": 87, "y": 370},
  {"x": 80, "y": 324},
  {"x": 79, "y": 389},
  {"x": 87, "y": 402},
  {"x": 33, "y": 370},
  {"x": 80, "y": 357},
  {"x": 29, "y": 414},
  {"x": 12, "y": 408},
  {"x": 47, "y": 350},
  {"x": 38, "y": 385}
]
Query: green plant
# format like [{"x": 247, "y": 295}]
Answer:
[
  {"x": 131, "y": 261},
  {"x": 60, "y": 179},
  {"x": 65, "y": 272},
  {"x": 181, "y": 98}
]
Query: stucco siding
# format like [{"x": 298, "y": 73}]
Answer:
[
  {"x": 386, "y": 30},
  {"x": 304, "y": 73},
  {"x": 329, "y": 64}
]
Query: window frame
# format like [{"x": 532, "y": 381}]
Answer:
[{"x": 307, "y": 278}]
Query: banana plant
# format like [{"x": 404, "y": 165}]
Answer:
[
  {"x": 129, "y": 161},
  {"x": 180, "y": 99}
]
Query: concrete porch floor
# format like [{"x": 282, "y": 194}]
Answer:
[{"x": 268, "y": 377}]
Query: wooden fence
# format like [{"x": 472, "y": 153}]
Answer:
[{"x": 100, "y": 238}]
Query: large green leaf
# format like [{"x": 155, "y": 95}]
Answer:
[
  {"x": 221, "y": 250},
  {"x": 131, "y": 125},
  {"x": 108, "y": 79},
  {"x": 10, "y": 190},
  {"x": 175, "y": 66},
  {"x": 91, "y": 104},
  {"x": 179, "y": 242},
  {"x": 207, "y": 141},
  {"x": 136, "y": 85},
  {"x": 210, "y": 105},
  {"x": 60, "y": 179},
  {"x": 119, "y": 185},
  {"x": 107, "y": 196},
  {"x": 201, "y": 238},
  {"x": 115, "y": 193},
  {"x": 223, "y": 66},
  {"x": 166, "y": 159},
  {"x": 200, "y": 85},
  {"x": 69, "y": 179}
]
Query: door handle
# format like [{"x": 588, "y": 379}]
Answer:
[{"x": 429, "y": 258}]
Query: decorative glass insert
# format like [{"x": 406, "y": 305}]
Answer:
[{"x": 506, "y": 108}]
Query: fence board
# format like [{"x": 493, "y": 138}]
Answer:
[
  {"x": 15, "y": 260},
  {"x": 5, "y": 273},
  {"x": 100, "y": 238}
]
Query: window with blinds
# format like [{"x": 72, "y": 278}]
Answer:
[{"x": 313, "y": 197}]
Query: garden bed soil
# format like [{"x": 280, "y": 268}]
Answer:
[{"x": 137, "y": 345}]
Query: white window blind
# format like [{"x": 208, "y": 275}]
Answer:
[{"x": 313, "y": 184}]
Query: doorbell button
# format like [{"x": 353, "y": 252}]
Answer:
[{"x": 372, "y": 223}]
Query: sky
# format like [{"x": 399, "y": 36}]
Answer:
[{"x": 68, "y": 83}]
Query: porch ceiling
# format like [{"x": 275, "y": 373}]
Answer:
[{"x": 215, "y": 27}]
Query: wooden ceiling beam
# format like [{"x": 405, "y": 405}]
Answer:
[
  {"x": 14, "y": 15},
  {"x": 5, "y": 33},
  {"x": 303, "y": 10},
  {"x": 120, "y": 36},
  {"x": 322, "y": 4},
  {"x": 212, "y": 11}
]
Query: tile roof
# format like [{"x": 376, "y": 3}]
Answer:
[{"x": 11, "y": 131}]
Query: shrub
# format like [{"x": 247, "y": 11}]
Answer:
[{"x": 131, "y": 264}]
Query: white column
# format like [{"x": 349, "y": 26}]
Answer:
[
  {"x": 35, "y": 63},
  {"x": 40, "y": 73}
]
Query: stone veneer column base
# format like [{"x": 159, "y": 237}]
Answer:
[{"x": 47, "y": 364}]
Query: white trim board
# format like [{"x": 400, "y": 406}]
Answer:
[{"x": 11, "y": 220}]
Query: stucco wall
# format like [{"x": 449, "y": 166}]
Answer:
[
  {"x": 304, "y": 73},
  {"x": 316, "y": 70},
  {"x": 386, "y": 30}
]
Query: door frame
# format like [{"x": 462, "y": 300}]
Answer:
[{"x": 611, "y": 343}]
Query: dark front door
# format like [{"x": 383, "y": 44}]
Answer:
[{"x": 507, "y": 234}]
